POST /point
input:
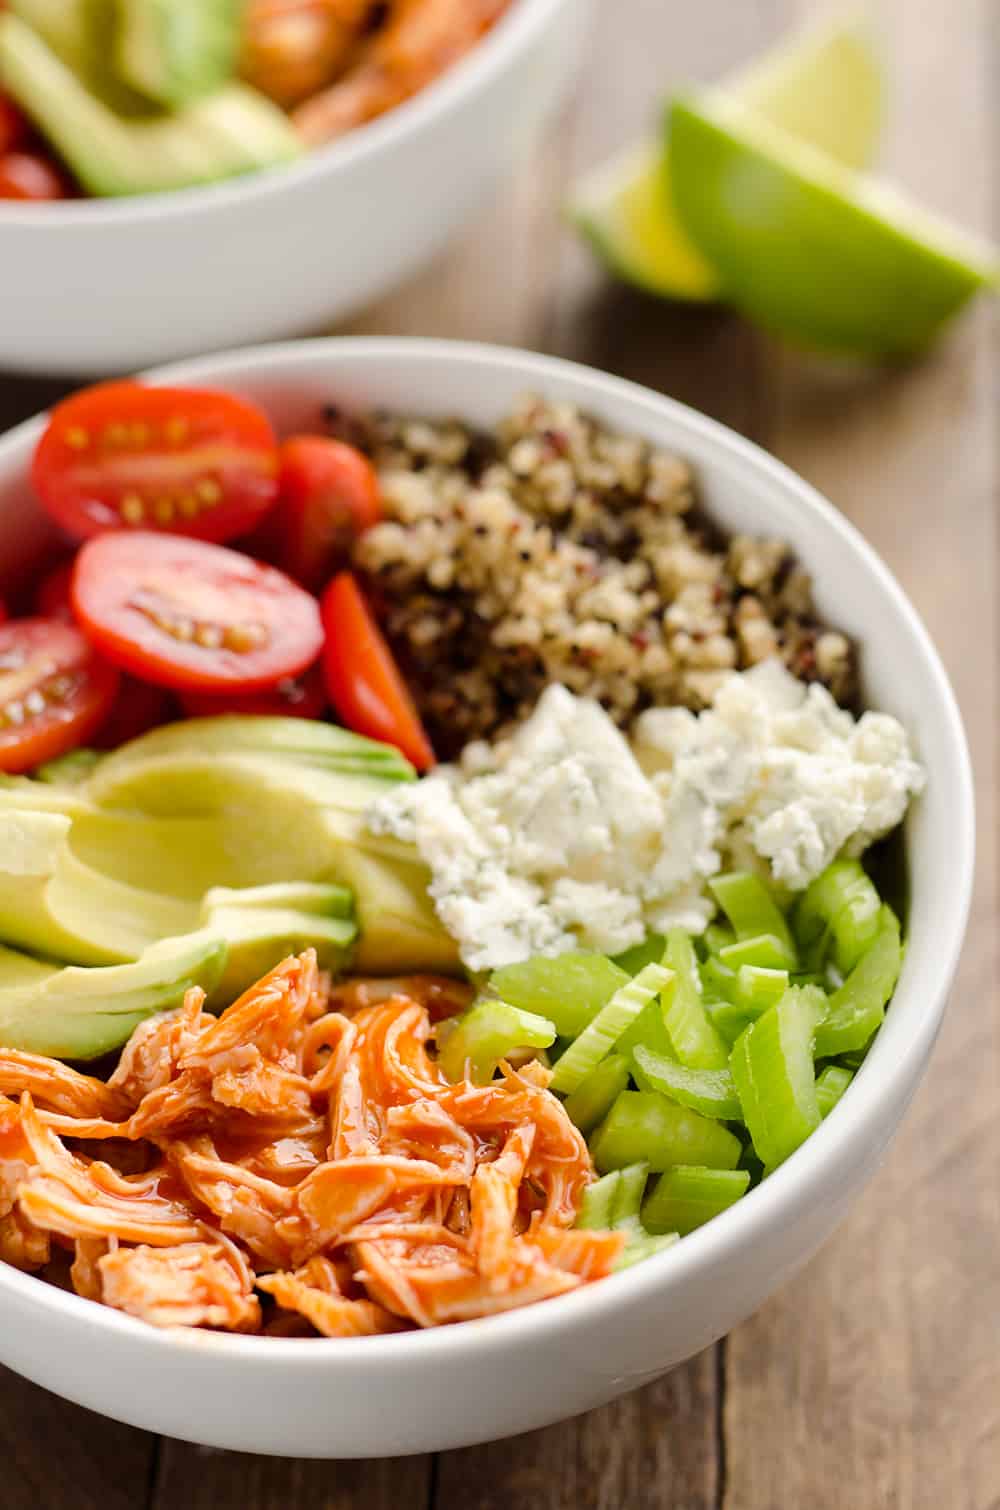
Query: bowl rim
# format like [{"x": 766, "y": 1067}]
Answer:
[
  {"x": 513, "y": 33},
  {"x": 772, "y": 1204}
]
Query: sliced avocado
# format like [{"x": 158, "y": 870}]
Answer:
[
  {"x": 69, "y": 770},
  {"x": 230, "y": 132},
  {"x": 175, "y": 51},
  {"x": 400, "y": 931},
  {"x": 258, "y": 938},
  {"x": 75, "y": 1013},
  {"x": 317, "y": 897},
  {"x": 82, "y": 34}
]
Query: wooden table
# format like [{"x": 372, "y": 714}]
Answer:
[{"x": 873, "y": 1381}]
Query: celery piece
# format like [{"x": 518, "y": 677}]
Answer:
[
  {"x": 649, "y": 952},
  {"x": 628, "y": 1196},
  {"x": 839, "y": 911},
  {"x": 595, "y": 1096},
  {"x": 696, "y": 1042},
  {"x": 759, "y": 987},
  {"x": 710, "y": 1092},
  {"x": 855, "y": 1012},
  {"x": 687, "y": 1196},
  {"x": 644, "y": 1245},
  {"x": 751, "y": 909},
  {"x": 772, "y": 1065},
  {"x": 569, "y": 989},
  {"x": 765, "y": 951},
  {"x": 602, "y": 1033},
  {"x": 650, "y": 1027},
  {"x": 598, "y": 1201},
  {"x": 718, "y": 980},
  {"x": 471, "y": 1046},
  {"x": 645, "y": 1126},
  {"x": 731, "y": 1019},
  {"x": 717, "y": 936},
  {"x": 830, "y": 1086}
]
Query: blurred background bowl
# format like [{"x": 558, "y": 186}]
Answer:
[{"x": 108, "y": 285}]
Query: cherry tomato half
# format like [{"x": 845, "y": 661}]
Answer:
[
  {"x": 28, "y": 175},
  {"x": 293, "y": 697},
  {"x": 52, "y": 596},
  {"x": 328, "y": 494},
  {"x": 138, "y": 708},
  {"x": 172, "y": 459},
  {"x": 14, "y": 129},
  {"x": 54, "y": 691},
  {"x": 363, "y": 680},
  {"x": 181, "y": 613}
]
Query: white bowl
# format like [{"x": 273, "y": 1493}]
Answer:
[
  {"x": 482, "y": 1379},
  {"x": 104, "y": 286}
]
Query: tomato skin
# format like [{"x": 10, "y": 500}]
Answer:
[
  {"x": 138, "y": 707},
  {"x": 180, "y": 461},
  {"x": 4, "y": 615},
  {"x": 296, "y": 697},
  {"x": 28, "y": 176},
  {"x": 328, "y": 495},
  {"x": 14, "y": 129},
  {"x": 192, "y": 616},
  {"x": 36, "y": 655},
  {"x": 365, "y": 684},
  {"x": 52, "y": 597}
]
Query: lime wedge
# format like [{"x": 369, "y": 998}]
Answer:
[
  {"x": 810, "y": 250},
  {"x": 823, "y": 85}
]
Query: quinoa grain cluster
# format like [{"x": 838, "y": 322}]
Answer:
[{"x": 557, "y": 551}]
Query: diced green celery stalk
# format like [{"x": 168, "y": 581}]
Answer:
[
  {"x": 751, "y": 909},
  {"x": 809, "y": 978},
  {"x": 650, "y": 1027},
  {"x": 598, "y": 1201},
  {"x": 758, "y": 987},
  {"x": 645, "y": 1126},
  {"x": 730, "y": 1019},
  {"x": 855, "y": 1012},
  {"x": 840, "y": 910},
  {"x": 649, "y": 952},
  {"x": 717, "y": 979},
  {"x": 687, "y": 1196},
  {"x": 595, "y": 1096},
  {"x": 830, "y": 1086},
  {"x": 696, "y": 1042},
  {"x": 600, "y": 1035},
  {"x": 710, "y": 1092},
  {"x": 569, "y": 989},
  {"x": 766, "y": 951},
  {"x": 644, "y": 1245},
  {"x": 473, "y": 1045},
  {"x": 717, "y": 936},
  {"x": 772, "y": 1065},
  {"x": 628, "y": 1196}
]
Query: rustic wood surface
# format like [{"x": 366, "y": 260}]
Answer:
[{"x": 873, "y": 1381}]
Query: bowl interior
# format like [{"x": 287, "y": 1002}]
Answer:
[{"x": 744, "y": 490}]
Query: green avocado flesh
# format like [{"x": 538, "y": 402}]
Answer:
[
  {"x": 114, "y": 147},
  {"x": 252, "y": 830},
  {"x": 174, "y": 51}
]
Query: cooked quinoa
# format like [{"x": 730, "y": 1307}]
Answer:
[{"x": 557, "y": 551}]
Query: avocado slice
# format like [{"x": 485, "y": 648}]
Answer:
[
  {"x": 75, "y": 1013},
  {"x": 258, "y": 938},
  {"x": 234, "y": 130},
  {"x": 318, "y": 897},
  {"x": 174, "y": 51},
  {"x": 82, "y": 34},
  {"x": 69, "y": 770}
]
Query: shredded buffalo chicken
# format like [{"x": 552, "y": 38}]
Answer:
[{"x": 303, "y": 1147}]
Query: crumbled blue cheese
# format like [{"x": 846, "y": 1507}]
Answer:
[{"x": 568, "y": 837}]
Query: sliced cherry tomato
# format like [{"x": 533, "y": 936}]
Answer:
[
  {"x": 137, "y": 708},
  {"x": 328, "y": 495},
  {"x": 172, "y": 459},
  {"x": 27, "y": 175},
  {"x": 181, "y": 613},
  {"x": 14, "y": 128},
  {"x": 363, "y": 680},
  {"x": 293, "y": 697},
  {"x": 4, "y": 615},
  {"x": 52, "y": 597},
  {"x": 54, "y": 691}
]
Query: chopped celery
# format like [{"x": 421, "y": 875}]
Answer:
[
  {"x": 772, "y": 1066},
  {"x": 765, "y": 951},
  {"x": 595, "y": 1096},
  {"x": 472, "y": 1045},
  {"x": 687, "y": 1196},
  {"x": 644, "y": 1245},
  {"x": 649, "y": 952},
  {"x": 650, "y": 1027},
  {"x": 569, "y": 989},
  {"x": 730, "y": 1019},
  {"x": 840, "y": 910},
  {"x": 600, "y": 1035},
  {"x": 830, "y": 1086},
  {"x": 718, "y": 980},
  {"x": 696, "y": 1042},
  {"x": 628, "y": 1195},
  {"x": 717, "y": 936},
  {"x": 645, "y": 1126},
  {"x": 752, "y": 910},
  {"x": 758, "y": 987},
  {"x": 710, "y": 1092},
  {"x": 598, "y": 1201},
  {"x": 855, "y": 1011}
]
